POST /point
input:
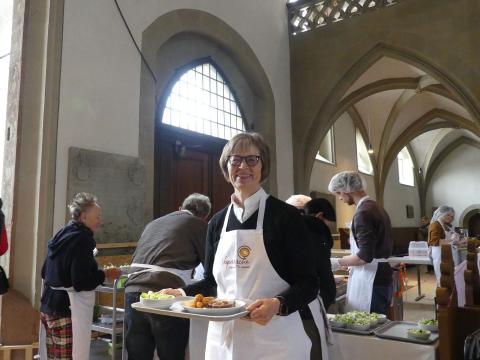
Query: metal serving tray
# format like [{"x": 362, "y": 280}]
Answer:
[
  {"x": 177, "y": 311},
  {"x": 397, "y": 330},
  {"x": 356, "y": 332}
]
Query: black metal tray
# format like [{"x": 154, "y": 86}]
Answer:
[{"x": 397, "y": 330}]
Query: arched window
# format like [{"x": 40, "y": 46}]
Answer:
[
  {"x": 201, "y": 101},
  {"x": 405, "y": 168},
  {"x": 363, "y": 159}
]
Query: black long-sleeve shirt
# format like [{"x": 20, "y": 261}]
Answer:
[
  {"x": 322, "y": 241},
  {"x": 69, "y": 263},
  {"x": 288, "y": 248}
]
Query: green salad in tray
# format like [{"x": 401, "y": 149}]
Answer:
[
  {"x": 152, "y": 295},
  {"x": 357, "y": 320}
]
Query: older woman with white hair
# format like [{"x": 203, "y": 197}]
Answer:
[
  {"x": 441, "y": 232},
  {"x": 70, "y": 275}
]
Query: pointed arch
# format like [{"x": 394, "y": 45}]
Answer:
[{"x": 179, "y": 37}]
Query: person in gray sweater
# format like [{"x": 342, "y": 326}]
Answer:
[{"x": 168, "y": 251}]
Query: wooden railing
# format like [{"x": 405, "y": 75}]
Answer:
[{"x": 7, "y": 350}]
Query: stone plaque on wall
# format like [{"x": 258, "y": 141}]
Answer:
[{"x": 118, "y": 183}]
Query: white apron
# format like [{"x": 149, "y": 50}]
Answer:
[
  {"x": 436, "y": 252},
  {"x": 360, "y": 279},
  {"x": 243, "y": 270},
  {"x": 81, "y": 307},
  {"x": 185, "y": 275}
]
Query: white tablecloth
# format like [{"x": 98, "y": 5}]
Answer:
[
  {"x": 347, "y": 346},
  {"x": 357, "y": 347}
]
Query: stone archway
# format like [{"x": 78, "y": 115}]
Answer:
[
  {"x": 180, "y": 37},
  {"x": 470, "y": 219}
]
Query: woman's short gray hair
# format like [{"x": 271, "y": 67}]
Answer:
[
  {"x": 198, "y": 204},
  {"x": 241, "y": 141},
  {"x": 80, "y": 203}
]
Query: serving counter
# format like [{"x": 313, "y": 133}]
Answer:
[{"x": 350, "y": 346}]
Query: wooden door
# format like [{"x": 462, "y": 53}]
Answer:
[{"x": 186, "y": 162}]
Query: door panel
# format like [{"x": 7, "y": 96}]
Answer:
[{"x": 187, "y": 162}]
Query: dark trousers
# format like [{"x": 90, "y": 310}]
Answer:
[
  {"x": 146, "y": 332},
  {"x": 381, "y": 298}
]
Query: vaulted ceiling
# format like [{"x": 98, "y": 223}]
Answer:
[{"x": 397, "y": 105}]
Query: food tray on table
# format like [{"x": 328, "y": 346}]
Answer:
[
  {"x": 398, "y": 330},
  {"x": 349, "y": 330},
  {"x": 179, "y": 309}
]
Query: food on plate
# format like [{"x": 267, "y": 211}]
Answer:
[
  {"x": 381, "y": 318},
  {"x": 152, "y": 295},
  {"x": 200, "y": 301},
  {"x": 418, "y": 333}
]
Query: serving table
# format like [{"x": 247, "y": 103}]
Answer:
[
  {"x": 358, "y": 347},
  {"x": 394, "y": 261}
]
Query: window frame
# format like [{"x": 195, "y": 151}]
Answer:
[
  {"x": 372, "y": 172},
  {"x": 401, "y": 171},
  {"x": 182, "y": 70},
  {"x": 322, "y": 159}
]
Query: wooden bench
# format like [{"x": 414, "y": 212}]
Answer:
[{"x": 454, "y": 323}]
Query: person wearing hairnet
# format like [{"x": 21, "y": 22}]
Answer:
[
  {"x": 370, "y": 280},
  {"x": 440, "y": 232}
]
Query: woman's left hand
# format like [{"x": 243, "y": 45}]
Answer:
[{"x": 262, "y": 310}]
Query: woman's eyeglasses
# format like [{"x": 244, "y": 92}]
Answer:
[{"x": 250, "y": 160}]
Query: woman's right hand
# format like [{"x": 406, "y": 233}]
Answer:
[{"x": 174, "y": 292}]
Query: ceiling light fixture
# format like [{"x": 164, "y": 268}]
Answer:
[{"x": 370, "y": 149}]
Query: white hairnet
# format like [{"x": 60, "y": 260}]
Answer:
[
  {"x": 298, "y": 201},
  {"x": 347, "y": 182},
  {"x": 441, "y": 211}
]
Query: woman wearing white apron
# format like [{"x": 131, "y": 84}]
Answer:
[
  {"x": 370, "y": 279},
  {"x": 441, "y": 232},
  {"x": 70, "y": 274},
  {"x": 257, "y": 249}
]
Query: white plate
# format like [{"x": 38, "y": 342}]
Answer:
[
  {"x": 160, "y": 304},
  {"x": 239, "y": 307}
]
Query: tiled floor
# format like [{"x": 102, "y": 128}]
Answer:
[{"x": 412, "y": 310}]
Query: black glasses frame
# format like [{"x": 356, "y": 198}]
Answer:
[{"x": 250, "y": 160}]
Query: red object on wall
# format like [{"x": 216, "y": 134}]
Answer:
[{"x": 3, "y": 241}]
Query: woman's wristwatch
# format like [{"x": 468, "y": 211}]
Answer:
[{"x": 283, "y": 309}]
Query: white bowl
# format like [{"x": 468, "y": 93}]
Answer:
[
  {"x": 158, "y": 304},
  {"x": 381, "y": 318},
  {"x": 413, "y": 335},
  {"x": 432, "y": 328}
]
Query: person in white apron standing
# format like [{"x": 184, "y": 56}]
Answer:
[
  {"x": 169, "y": 249},
  {"x": 441, "y": 232},
  {"x": 370, "y": 279},
  {"x": 70, "y": 275},
  {"x": 257, "y": 249}
]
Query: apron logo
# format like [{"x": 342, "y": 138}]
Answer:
[
  {"x": 240, "y": 261},
  {"x": 243, "y": 252}
]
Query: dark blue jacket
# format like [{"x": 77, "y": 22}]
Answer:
[{"x": 69, "y": 262}]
